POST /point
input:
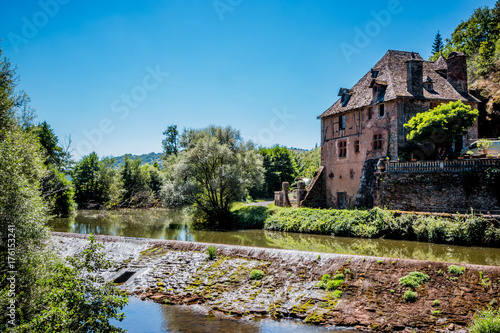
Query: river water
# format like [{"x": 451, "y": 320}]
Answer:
[
  {"x": 150, "y": 317},
  {"x": 174, "y": 224}
]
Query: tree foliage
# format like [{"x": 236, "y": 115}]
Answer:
[
  {"x": 280, "y": 166},
  {"x": 442, "y": 124},
  {"x": 171, "y": 141},
  {"x": 438, "y": 44},
  {"x": 214, "y": 170}
]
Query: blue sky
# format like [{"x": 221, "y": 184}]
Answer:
[{"x": 115, "y": 74}]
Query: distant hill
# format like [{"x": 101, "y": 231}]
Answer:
[
  {"x": 297, "y": 150},
  {"x": 146, "y": 159}
]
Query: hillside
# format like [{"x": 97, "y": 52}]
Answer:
[{"x": 146, "y": 159}]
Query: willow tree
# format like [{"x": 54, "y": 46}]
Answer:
[{"x": 215, "y": 168}]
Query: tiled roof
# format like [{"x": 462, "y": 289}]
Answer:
[{"x": 392, "y": 71}]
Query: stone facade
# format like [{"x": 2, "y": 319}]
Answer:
[
  {"x": 366, "y": 123},
  {"x": 436, "y": 192}
]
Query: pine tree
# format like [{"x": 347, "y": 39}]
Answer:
[{"x": 438, "y": 43}]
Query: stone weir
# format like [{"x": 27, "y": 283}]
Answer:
[{"x": 360, "y": 292}]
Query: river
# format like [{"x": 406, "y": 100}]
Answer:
[{"x": 174, "y": 224}]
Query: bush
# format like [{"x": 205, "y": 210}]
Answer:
[
  {"x": 454, "y": 269},
  {"x": 331, "y": 284},
  {"x": 256, "y": 274},
  {"x": 250, "y": 217},
  {"x": 409, "y": 296},
  {"x": 486, "y": 321},
  {"x": 211, "y": 250},
  {"x": 468, "y": 230},
  {"x": 414, "y": 279}
]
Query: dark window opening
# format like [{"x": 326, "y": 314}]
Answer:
[
  {"x": 381, "y": 110},
  {"x": 352, "y": 173},
  {"x": 342, "y": 148},
  {"x": 341, "y": 200},
  {"x": 356, "y": 146},
  {"x": 123, "y": 277},
  {"x": 370, "y": 113},
  {"x": 377, "y": 141},
  {"x": 342, "y": 123}
]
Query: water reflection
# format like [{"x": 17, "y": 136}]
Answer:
[
  {"x": 174, "y": 224},
  {"x": 161, "y": 318}
]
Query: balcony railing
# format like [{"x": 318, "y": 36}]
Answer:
[{"x": 474, "y": 165}]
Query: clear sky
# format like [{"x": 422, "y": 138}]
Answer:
[{"x": 115, "y": 74}]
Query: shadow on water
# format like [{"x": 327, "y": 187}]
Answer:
[
  {"x": 174, "y": 224},
  {"x": 162, "y": 318}
]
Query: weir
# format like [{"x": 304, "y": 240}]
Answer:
[{"x": 369, "y": 297}]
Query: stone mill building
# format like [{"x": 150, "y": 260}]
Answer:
[{"x": 366, "y": 122}]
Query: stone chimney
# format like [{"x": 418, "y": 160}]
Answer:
[
  {"x": 457, "y": 71},
  {"x": 414, "y": 77}
]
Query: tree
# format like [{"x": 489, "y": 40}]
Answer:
[
  {"x": 280, "y": 166},
  {"x": 171, "y": 141},
  {"x": 136, "y": 180},
  {"x": 438, "y": 44},
  {"x": 441, "y": 125},
  {"x": 213, "y": 171},
  {"x": 95, "y": 182},
  {"x": 309, "y": 162}
]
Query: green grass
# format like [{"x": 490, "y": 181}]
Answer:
[
  {"x": 329, "y": 283},
  {"x": 212, "y": 251},
  {"x": 414, "y": 279},
  {"x": 486, "y": 321},
  {"x": 376, "y": 223},
  {"x": 256, "y": 274}
]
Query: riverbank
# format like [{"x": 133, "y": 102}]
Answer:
[
  {"x": 470, "y": 230},
  {"x": 369, "y": 295}
]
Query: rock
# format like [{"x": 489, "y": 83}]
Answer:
[
  {"x": 451, "y": 327},
  {"x": 441, "y": 321}
]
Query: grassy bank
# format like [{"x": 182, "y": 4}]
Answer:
[{"x": 377, "y": 223}]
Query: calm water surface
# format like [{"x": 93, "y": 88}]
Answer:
[
  {"x": 173, "y": 224},
  {"x": 150, "y": 317}
]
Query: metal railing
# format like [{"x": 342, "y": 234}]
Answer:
[{"x": 453, "y": 166}]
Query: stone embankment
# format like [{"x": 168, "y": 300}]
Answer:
[{"x": 368, "y": 297}]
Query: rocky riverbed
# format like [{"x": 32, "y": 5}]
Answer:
[{"x": 367, "y": 294}]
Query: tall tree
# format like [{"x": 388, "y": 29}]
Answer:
[
  {"x": 280, "y": 166},
  {"x": 437, "y": 46},
  {"x": 215, "y": 169},
  {"x": 171, "y": 141}
]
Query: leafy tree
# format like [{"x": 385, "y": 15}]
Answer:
[
  {"x": 213, "y": 171},
  {"x": 155, "y": 180},
  {"x": 77, "y": 298},
  {"x": 438, "y": 44},
  {"x": 441, "y": 125},
  {"x": 136, "y": 180},
  {"x": 95, "y": 182},
  {"x": 171, "y": 141},
  {"x": 309, "y": 162},
  {"x": 280, "y": 166},
  {"x": 29, "y": 271}
]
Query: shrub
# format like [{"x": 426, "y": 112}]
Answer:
[
  {"x": 485, "y": 321},
  {"x": 256, "y": 274},
  {"x": 333, "y": 284},
  {"x": 414, "y": 279},
  {"x": 211, "y": 250},
  {"x": 409, "y": 296},
  {"x": 454, "y": 269}
]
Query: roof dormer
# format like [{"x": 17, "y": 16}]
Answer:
[{"x": 345, "y": 95}]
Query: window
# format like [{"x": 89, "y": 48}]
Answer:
[
  {"x": 342, "y": 123},
  {"x": 341, "y": 200},
  {"x": 381, "y": 110},
  {"x": 356, "y": 146},
  {"x": 377, "y": 141},
  {"x": 352, "y": 173},
  {"x": 370, "y": 113},
  {"x": 342, "y": 148}
]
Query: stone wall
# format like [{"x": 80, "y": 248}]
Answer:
[
  {"x": 316, "y": 191},
  {"x": 435, "y": 192}
]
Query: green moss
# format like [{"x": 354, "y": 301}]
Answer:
[
  {"x": 435, "y": 303},
  {"x": 414, "y": 279},
  {"x": 409, "y": 296},
  {"x": 314, "y": 318},
  {"x": 256, "y": 274},
  {"x": 380, "y": 262}
]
